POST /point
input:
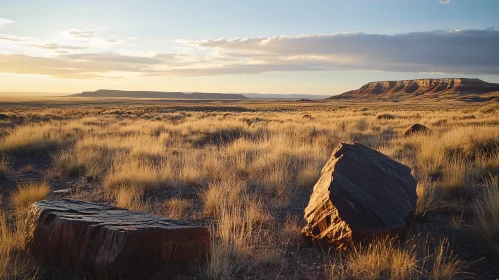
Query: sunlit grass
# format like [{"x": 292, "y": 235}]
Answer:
[
  {"x": 487, "y": 215},
  {"x": 28, "y": 193},
  {"x": 240, "y": 173}
]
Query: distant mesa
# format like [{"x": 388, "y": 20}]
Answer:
[
  {"x": 423, "y": 88},
  {"x": 159, "y": 94}
]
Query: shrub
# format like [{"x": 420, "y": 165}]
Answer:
[
  {"x": 362, "y": 125},
  {"x": 476, "y": 148},
  {"x": 385, "y": 117}
]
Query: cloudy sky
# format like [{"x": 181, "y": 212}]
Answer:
[{"x": 265, "y": 46}]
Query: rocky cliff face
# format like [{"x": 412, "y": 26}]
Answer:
[{"x": 420, "y": 87}]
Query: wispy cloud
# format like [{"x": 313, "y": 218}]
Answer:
[
  {"x": 444, "y": 2},
  {"x": 67, "y": 42},
  {"x": 463, "y": 51},
  {"x": 4, "y": 21},
  {"x": 85, "y": 34},
  {"x": 54, "y": 46},
  {"x": 7, "y": 37},
  {"x": 470, "y": 52}
]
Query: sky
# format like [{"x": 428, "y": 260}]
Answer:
[{"x": 258, "y": 46}]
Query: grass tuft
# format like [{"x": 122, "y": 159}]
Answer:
[
  {"x": 445, "y": 265},
  {"x": 177, "y": 208},
  {"x": 130, "y": 198},
  {"x": 382, "y": 259},
  {"x": 28, "y": 193},
  {"x": 430, "y": 198},
  {"x": 487, "y": 215}
]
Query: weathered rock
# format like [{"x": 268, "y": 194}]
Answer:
[
  {"x": 361, "y": 194},
  {"x": 105, "y": 242},
  {"x": 3, "y": 117},
  {"x": 417, "y": 129}
]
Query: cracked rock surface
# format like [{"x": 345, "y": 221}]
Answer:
[{"x": 105, "y": 242}]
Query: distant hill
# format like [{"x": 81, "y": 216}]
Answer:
[
  {"x": 457, "y": 88},
  {"x": 158, "y": 94},
  {"x": 194, "y": 95},
  {"x": 284, "y": 96}
]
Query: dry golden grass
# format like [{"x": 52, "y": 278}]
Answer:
[
  {"x": 223, "y": 262},
  {"x": 177, "y": 208},
  {"x": 387, "y": 259},
  {"x": 231, "y": 241},
  {"x": 27, "y": 139},
  {"x": 133, "y": 173},
  {"x": 83, "y": 161},
  {"x": 382, "y": 259},
  {"x": 444, "y": 264},
  {"x": 11, "y": 245},
  {"x": 7, "y": 245},
  {"x": 229, "y": 191},
  {"x": 130, "y": 198},
  {"x": 487, "y": 215},
  {"x": 430, "y": 198},
  {"x": 292, "y": 230},
  {"x": 28, "y": 193},
  {"x": 249, "y": 163},
  {"x": 238, "y": 218}
]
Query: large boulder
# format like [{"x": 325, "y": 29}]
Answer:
[
  {"x": 361, "y": 194},
  {"x": 106, "y": 242},
  {"x": 417, "y": 129}
]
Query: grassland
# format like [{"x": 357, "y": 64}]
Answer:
[{"x": 246, "y": 171}]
